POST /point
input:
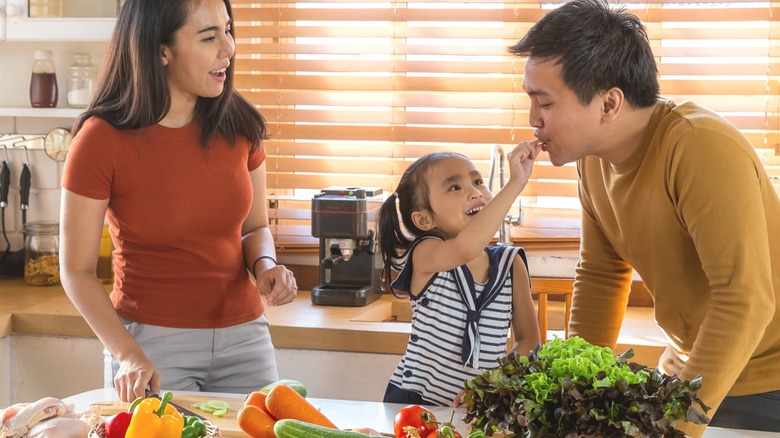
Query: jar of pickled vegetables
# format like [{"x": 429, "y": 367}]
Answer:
[{"x": 41, "y": 253}]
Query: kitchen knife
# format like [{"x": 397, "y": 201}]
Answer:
[{"x": 181, "y": 409}]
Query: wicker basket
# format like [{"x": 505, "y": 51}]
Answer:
[{"x": 212, "y": 431}]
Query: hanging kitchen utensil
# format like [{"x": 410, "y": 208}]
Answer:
[
  {"x": 12, "y": 262},
  {"x": 25, "y": 182},
  {"x": 5, "y": 183},
  {"x": 56, "y": 143},
  {"x": 5, "y": 180}
]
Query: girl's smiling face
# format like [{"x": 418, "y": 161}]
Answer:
[
  {"x": 200, "y": 54},
  {"x": 456, "y": 193}
]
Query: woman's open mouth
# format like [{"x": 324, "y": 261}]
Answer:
[{"x": 218, "y": 75}]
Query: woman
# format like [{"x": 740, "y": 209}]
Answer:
[{"x": 171, "y": 156}]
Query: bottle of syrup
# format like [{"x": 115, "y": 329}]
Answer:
[{"x": 43, "y": 85}]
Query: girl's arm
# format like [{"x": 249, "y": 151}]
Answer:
[
  {"x": 274, "y": 281},
  {"x": 524, "y": 325},
  {"x": 434, "y": 255},
  {"x": 81, "y": 225}
]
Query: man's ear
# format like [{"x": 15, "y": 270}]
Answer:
[
  {"x": 612, "y": 102},
  {"x": 423, "y": 220}
]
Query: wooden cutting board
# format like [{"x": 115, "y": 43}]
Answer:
[{"x": 227, "y": 424}]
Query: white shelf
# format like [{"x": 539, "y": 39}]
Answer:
[
  {"x": 64, "y": 113},
  {"x": 19, "y": 26}
]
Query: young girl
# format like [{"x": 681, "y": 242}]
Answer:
[{"x": 464, "y": 293}]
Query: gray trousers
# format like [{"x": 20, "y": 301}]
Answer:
[
  {"x": 750, "y": 412},
  {"x": 238, "y": 359}
]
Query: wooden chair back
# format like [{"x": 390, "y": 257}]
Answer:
[{"x": 541, "y": 288}]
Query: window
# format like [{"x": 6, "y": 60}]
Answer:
[{"x": 355, "y": 91}]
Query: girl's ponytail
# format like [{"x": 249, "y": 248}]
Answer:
[
  {"x": 391, "y": 238},
  {"x": 411, "y": 194}
]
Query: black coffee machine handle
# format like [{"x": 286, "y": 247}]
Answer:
[
  {"x": 369, "y": 243},
  {"x": 334, "y": 259}
]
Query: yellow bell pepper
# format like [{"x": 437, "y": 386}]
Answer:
[{"x": 154, "y": 418}]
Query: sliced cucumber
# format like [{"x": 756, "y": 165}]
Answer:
[
  {"x": 215, "y": 407},
  {"x": 220, "y": 413}
]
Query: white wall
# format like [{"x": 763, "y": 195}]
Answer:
[
  {"x": 16, "y": 60},
  {"x": 44, "y": 193},
  {"x": 5, "y": 372}
]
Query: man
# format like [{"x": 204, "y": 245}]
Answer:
[{"x": 671, "y": 190}]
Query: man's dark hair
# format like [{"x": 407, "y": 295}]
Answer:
[{"x": 598, "y": 47}]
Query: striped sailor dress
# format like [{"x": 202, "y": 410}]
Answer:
[{"x": 459, "y": 327}]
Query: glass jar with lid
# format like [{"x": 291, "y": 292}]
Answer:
[
  {"x": 41, "y": 253},
  {"x": 82, "y": 77}
]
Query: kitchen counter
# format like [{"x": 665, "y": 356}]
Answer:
[
  {"x": 299, "y": 325},
  {"x": 48, "y": 311},
  {"x": 348, "y": 414}
]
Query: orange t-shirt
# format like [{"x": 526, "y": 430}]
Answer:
[{"x": 175, "y": 212}]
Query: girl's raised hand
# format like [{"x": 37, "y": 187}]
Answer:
[{"x": 521, "y": 160}]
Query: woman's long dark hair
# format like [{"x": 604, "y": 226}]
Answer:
[
  {"x": 132, "y": 90},
  {"x": 412, "y": 194}
]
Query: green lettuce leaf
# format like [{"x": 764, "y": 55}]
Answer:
[{"x": 570, "y": 388}]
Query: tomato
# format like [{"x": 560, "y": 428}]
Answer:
[{"x": 417, "y": 417}]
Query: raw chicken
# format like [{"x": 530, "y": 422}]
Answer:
[
  {"x": 18, "y": 425},
  {"x": 10, "y": 412},
  {"x": 60, "y": 427}
]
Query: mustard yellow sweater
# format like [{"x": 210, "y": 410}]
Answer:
[{"x": 694, "y": 212}]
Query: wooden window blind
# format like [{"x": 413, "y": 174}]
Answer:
[{"x": 355, "y": 91}]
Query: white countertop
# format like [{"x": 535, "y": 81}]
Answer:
[{"x": 348, "y": 414}]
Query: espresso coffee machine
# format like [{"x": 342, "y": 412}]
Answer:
[{"x": 344, "y": 219}]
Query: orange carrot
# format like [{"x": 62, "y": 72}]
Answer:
[
  {"x": 256, "y": 398},
  {"x": 285, "y": 402},
  {"x": 255, "y": 422}
]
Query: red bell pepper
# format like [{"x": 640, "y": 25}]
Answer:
[{"x": 116, "y": 426}]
